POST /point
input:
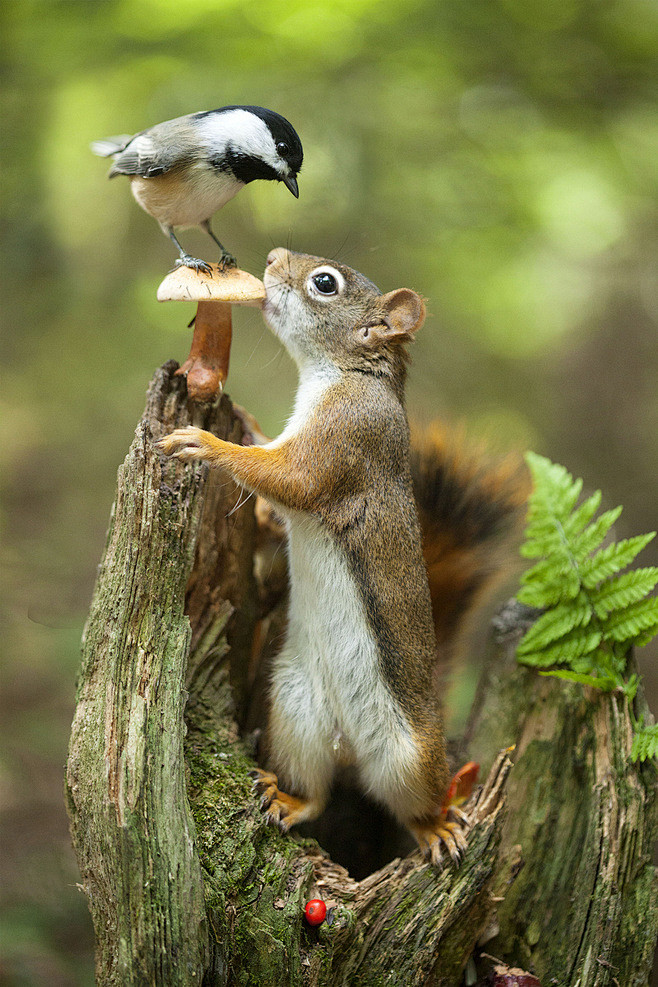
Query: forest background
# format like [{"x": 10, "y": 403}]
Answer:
[{"x": 499, "y": 156}]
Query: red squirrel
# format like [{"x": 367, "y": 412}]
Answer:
[{"x": 354, "y": 682}]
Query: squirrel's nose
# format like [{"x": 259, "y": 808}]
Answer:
[{"x": 279, "y": 253}]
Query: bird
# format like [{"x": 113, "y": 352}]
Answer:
[{"x": 183, "y": 170}]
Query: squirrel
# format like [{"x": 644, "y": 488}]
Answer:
[{"x": 354, "y": 682}]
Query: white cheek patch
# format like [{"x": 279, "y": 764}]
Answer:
[
  {"x": 245, "y": 131},
  {"x": 318, "y": 295}
]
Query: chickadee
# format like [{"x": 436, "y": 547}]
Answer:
[{"x": 184, "y": 170}]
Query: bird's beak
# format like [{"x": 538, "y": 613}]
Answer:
[{"x": 291, "y": 183}]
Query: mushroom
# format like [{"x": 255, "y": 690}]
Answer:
[{"x": 206, "y": 368}]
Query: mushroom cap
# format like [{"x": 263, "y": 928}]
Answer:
[{"x": 231, "y": 285}]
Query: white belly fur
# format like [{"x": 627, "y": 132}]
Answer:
[
  {"x": 189, "y": 201},
  {"x": 327, "y": 681}
]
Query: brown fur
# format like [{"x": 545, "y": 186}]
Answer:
[
  {"x": 347, "y": 465},
  {"x": 471, "y": 510}
]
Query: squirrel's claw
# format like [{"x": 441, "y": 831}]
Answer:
[
  {"x": 187, "y": 443},
  {"x": 456, "y": 815},
  {"x": 435, "y": 835},
  {"x": 448, "y": 828},
  {"x": 280, "y": 809}
]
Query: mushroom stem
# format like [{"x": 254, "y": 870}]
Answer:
[{"x": 206, "y": 368}]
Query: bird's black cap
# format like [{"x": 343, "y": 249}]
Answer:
[{"x": 281, "y": 129}]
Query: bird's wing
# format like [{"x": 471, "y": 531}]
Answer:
[
  {"x": 151, "y": 153},
  {"x": 110, "y": 145}
]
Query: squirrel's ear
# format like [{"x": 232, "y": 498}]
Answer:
[
  {"x": 405, "y": 313},
  {"x": 401, "y": 314}
]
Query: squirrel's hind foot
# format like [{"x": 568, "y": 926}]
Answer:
[
  {"x": 280, "y": 809},
  {"x": 444, "y": 832},
  {"x": 448, "y": 828}
]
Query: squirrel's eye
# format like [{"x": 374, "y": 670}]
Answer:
[
  {"x": 282, "y": 148},
  {"x": 325, "y": 283}
]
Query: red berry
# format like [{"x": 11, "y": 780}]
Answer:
[{"x": 315, "y": 911}]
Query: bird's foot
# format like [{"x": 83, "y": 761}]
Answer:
[
  {"x": 186, "y": 260},
  {"x": 226, "y": 260}
]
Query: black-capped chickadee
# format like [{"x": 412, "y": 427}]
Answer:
[{"x": 182, "y": 171}]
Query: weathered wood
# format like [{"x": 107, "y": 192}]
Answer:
[
  {"x": 404, "y": 925},
  {"x": 183, "y": 891},
  {"x": 584, "y": 907},
  {"x": 130, "y": 820}
]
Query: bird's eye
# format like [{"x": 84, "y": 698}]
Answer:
[
  {"x": 325, "y": 283},
  {"x": 282, "y": 148}
]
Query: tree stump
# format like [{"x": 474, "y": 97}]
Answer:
[{"x": 185, "y": 882}]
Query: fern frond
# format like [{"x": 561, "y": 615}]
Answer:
[
  {"x": 555, "y": 488},
  {"x": 621, "y": 591},
  {"x": 630, "y": 687},
  {"x": 613, "y": 558},
  {"x": 548, "y": 582},
  {"x": 638, "y": 618},
  {"x": 592, "y": 613},
  {"x": 582, "y": 516},
  {"x": 542, "y": 595},
  {"x": 576, "y": 644},
  {"x": 606, "y": 683},
  {"x": 645, "y": 743},
  {"x": 644, "y": 638},
  {"x": 555, "y": 624},
  {"x": 556, "y": 566},
  {"x": 592, "y": 537}
]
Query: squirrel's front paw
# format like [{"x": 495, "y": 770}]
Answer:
[
  {"x": 280, "y": 809},
  {"x": 188, "y": 443}
]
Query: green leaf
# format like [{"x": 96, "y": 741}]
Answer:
[
  {"x": 549, "y": 582},
  {"x": 630, "y": 687},
  {"x": 554, "y": 567},
  {"x": 542, "y": 595},
  {"x": 621, "y": 591},
  {"x": 612, "y": 559},
  {"x": 554, "y": 624},
  {"x": 554, "y": 487},
  {"x": 643, "y": 639},
  {"x": 630, "y": 622},
  {"x": 645, "y": 743},
  {"x": 606, "y": 684},
  {"x": 580, "y": 642},
  {"x": 582, "y": 516},
  {"x": 592, "y": 537},
  {"x": 592, "y": 615}
]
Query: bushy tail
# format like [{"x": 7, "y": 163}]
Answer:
[{"x": 471, "y": 510}]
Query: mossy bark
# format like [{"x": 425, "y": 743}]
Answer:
[
  {"x": 185, "y": 882},
  {"x": 584, "y": 908}
]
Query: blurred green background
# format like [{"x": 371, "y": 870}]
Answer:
[{"x": 499, "y": 156}]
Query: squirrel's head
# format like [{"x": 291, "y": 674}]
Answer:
[{"x": 322, "y": 310}]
